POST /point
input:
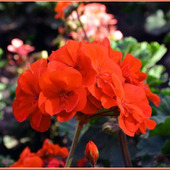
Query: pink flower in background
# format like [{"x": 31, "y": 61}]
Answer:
[
  {"x": 18, "y": 46},
  {"x": 97, "y": 23}
]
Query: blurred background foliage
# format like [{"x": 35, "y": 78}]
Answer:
[{"x": 146, "y": 30}]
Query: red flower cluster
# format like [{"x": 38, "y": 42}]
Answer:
[
  {"x": 85, "y": 77},
  {"x": 82, "y": 162},
  {"x": 60, "y": 7},
  {"x": 50, "y": 155}
]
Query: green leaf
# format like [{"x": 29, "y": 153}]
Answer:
[
  {"x": 10, "y": 142},
  {"x": 159, "y": 119},
  {"x": 156, "y": 71},
  {"x": 1, "y": 53},
  {"x": 148, "y": 53},
  {"x": 150, "y": 146},
  {"x": 2, "y": 105},
  {"x": 124, "y": 45},
  {"x": 163, "y": 129},
  {"x": 155, "y": 21},
  {"x": 166, "y": 91},
  {"x": 166, "y": 148},
  {"x": 2, "y": 86},
  {"x": 164, "y": 107},
  {"x": 157, "y": 51},
  {"x": 3, "y": 63}
]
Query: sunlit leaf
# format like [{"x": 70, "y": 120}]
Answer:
[{"x": 10, "y": 142}]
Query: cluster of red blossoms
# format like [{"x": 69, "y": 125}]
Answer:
[
  {"x": 50, "y": 155},
  {"x": 85, "y": 77}
]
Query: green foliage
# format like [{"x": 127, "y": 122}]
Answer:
[
  {"x": 166, "y": 148},
  {"x": 149, "y": 54},
  {"x": 162, "y": 129},
  {"x": 3, "y": 63},
  {"x": 150, "y": 146},
  {"x": 155, "y": 21},
  {"x": 158, "y": 23}
]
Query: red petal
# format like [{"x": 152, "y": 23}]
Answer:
[
  {"x": 124, "y": 128},
  {"x": 108, "y": 102},
  {"x": 64, "y": 116},
  {"x": 150, "y": 124},
  {"x": 71, "y": 102},
  {"x": 40, "y": 122}
]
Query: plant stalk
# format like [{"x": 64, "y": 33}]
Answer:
[
  {"x": 124, "y": 149},
  {"x": 81, "y": 24},
  {"x": 74, "y": 144},
  {"x": 106, "y": 113}
]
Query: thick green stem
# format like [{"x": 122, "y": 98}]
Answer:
[
  {"x": 74, "y": 144},
  {"x": 124, "y": 149}
]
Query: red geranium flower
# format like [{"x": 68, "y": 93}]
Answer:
[
  {"x": 52, "y": 150},
  {"x": 82, "y": 162},
  {"x": 134, "y": 111},
  {"x": 28, "y": 159},
  {"x": 131, "y": 70},
  {"x": 92, "y": 105},
  {"x": 52, "y": 154},
  {"x": 62, "y": 92},
  {"x": 71, "y": 55},
  {"x": 53, "y": 163},
  {"x": 60, "y": 7},
  {"x": 109, "y": 74},
  {"x": 27, "y": 95},
  {"x": 151, "y": 96}
]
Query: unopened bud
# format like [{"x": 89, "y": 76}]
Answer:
[{"x": 91, "y": 153}]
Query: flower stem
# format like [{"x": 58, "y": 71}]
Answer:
[
  {"x": 74, "y": 144},
  {"x": 124, "y": 149},
  {"x": 115, "y": 111},
  {"x": 85, "y": 35}
]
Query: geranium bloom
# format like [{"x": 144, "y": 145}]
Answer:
[
  {"x": 52, "y": 150},
  {"x": 27, "y": 95},
  {"x": 92, "y": 106},
  {"x": 109, "y": 75},
  {"x": 53, "y": 163},
  {"x": 85, "y": 77},
  {"x": 18, "y": 46},
  {"x": 82, "y": 162},
  {"x": 134, "y": 111},
  {"x": 151, "y": 96},
  {"x": 96, "y": 22},
  {"x": 60, "y": 7},
  {"x": 92, "y": 153},
  {"x": 71, "y": 55},
  {"x": 52, "y": 154},
  {"x": 131, "y": 70},
  {"x": 28, "y": 159},
  {"x": 62, "y": 92}
]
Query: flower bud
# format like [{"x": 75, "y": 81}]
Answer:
[{"x": 91, "y": 153}]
